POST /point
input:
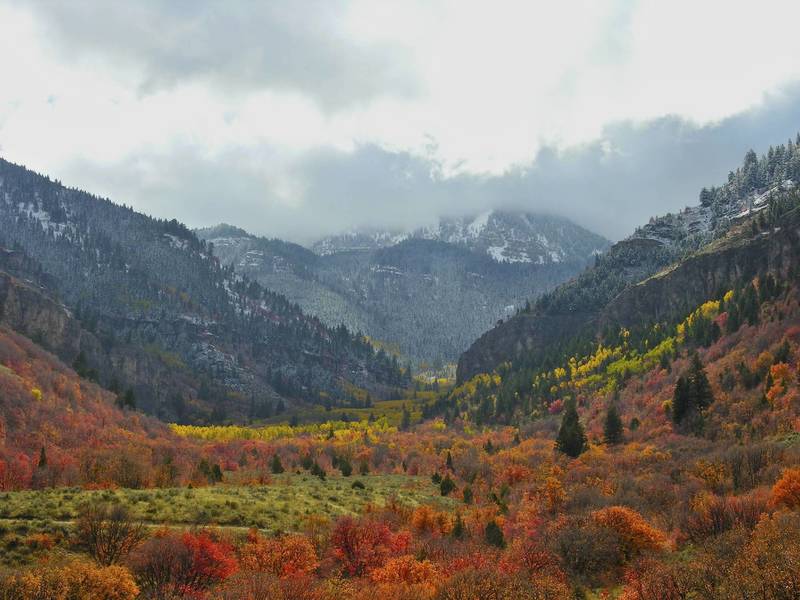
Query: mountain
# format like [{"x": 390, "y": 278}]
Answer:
[
  {"x": 426, "y": 294},
  {"x": 192, "y": 339},
  {"x": 743, "y": 232},
  {"x": 506, "y": 237}
]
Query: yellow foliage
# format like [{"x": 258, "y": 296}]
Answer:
[{"x": 341, "y": 431}]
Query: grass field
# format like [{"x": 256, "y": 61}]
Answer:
[{"x": 280, "y": 506}]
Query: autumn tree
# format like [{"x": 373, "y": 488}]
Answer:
[
  {"x": 172, "y": 564},
  {"x": 284, "y": 557},
  {"x": 786, "y": 491},
  {"x": 362, "y": 545},
  {"x": 73, "y": 579},
  {"x": 108, "y": 532},
  {"x": 571, "y": 438}
]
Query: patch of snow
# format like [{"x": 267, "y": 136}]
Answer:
[{"x": 479, "y": 223}]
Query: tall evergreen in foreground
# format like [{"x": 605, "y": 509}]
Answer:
[{"x": 571, "y": 438}]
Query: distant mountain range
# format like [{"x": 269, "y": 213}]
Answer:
[
  {"x": 426, "y": 294},
  {"x": 506, "y": 237}
]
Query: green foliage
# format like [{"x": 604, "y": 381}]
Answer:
[
  {"x": 275, "y": 465},
  {"x": 691, "y": 397},
  {"x": 446, "y": 486},
  {"x": 571, "y": 438},
  {"x": 468, "y": 495},
  {"x": 613, "y": 428}
]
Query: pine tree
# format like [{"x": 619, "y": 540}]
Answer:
[
  {"x": 276, "y": 466},
  {"x": 494, "y": 535},
  {"x": 680, "y": 400},
  {"x": 459, "y": 530},
  {"x": 571, "y": 438},
  {"x": 692, "y": 396},
  {"x": 446, "y": 486},
  {"x": 42, "y": 459},
  {"x": 449, "y": 461},
  {"x": 612, "y": 427},
  {"x": 405, "y": 423},
  {"x": 468, "y": 495}
]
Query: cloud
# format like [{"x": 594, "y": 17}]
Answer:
[
  {"x": 611, "y": 186},
  {"x": 238, "y": 46},
  {"x": 302, "y": 119}
]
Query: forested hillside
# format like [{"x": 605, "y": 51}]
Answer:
[
  {"x": 753, "y": 193},
  {"x": 136, "y": 282}
]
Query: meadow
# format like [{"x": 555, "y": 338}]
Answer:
[{"x": 281, "y": 506}]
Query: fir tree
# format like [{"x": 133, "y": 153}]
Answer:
[
  {"x": 276, "y": 466},
  {"x": 449, "y": 461},
  {"x": 571, "y": 438},
  {"x": 459, "y": 530},
  {"x": 405, "y": 422},
  {"x": 468, "y": 495},
  {"x": 446, "y": 486},
  {"x": 612, "y": 426},
  {"x": 494, "y": 535},
  {"x": 692, "y": 396},
  {"x": 42, "y": 459}
]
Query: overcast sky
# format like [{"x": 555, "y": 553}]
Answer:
[{"x": 299, "y": 119}]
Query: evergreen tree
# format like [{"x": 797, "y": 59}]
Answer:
[
  {"x": 345, "y": 467},
  {"x": 612, "y": 426},
  {"x": 449, "y": 461},
  {"x": 692, "y": 396},
  {"x": 405, "y": 422},
  {"x": 571, "y": 438},
  {"x": 276, "y": 466},
  {"x": 494, "y": 535},
  {"x": 447, "y": 486},
  {"x": 680, "y": 400},
  {"x": 42, "y": 459},
  {"x": 459, "y": 531},
  {"x": 468, "y": 495}
]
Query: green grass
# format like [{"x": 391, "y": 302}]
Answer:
[{"x": 280, "y": 506}]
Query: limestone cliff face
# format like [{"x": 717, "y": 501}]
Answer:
[
  {"x": 679, "y": 289},
  {"x": 669, "y": 294},
  {"x": 26, "y": 308}
]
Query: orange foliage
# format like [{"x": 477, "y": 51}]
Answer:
[
  {"x": 363, "y": 545},
  {"x": 288, "y": 556},
  {"x": 636, "y": 534},
  {"x": 786, "y": 491},
  {"x": 426, "y": 519},
  {"x": 76, "y": 579},
  {"x": 406, "y": 569}
]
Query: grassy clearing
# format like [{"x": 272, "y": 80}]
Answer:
[{"x": 281, "y": 506}]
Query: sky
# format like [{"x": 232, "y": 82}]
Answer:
[{"x": 307, "y": 118}]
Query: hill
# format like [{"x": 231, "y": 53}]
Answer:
[{"x": 232, "y": 348}]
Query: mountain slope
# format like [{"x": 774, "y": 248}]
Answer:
[
  {"x": 671, "y": 264},
  {"x": 153, "y": 285},
  {"x": 427, "y": 294}
]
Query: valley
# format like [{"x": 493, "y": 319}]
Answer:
[{"x": 631, "y": 433}]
